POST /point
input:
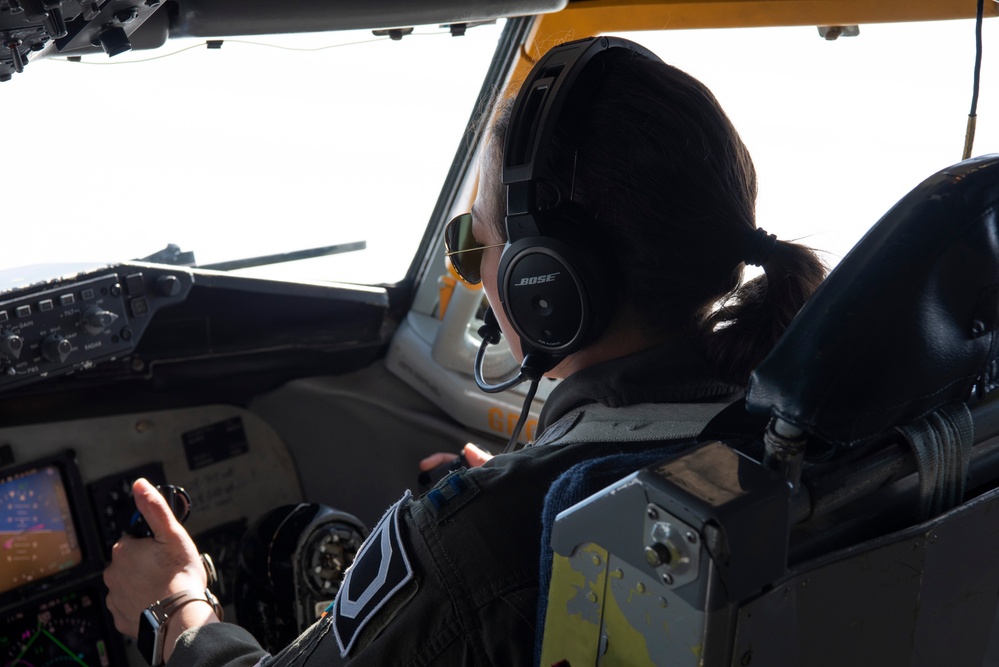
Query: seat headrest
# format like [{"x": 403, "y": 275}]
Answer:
[{"x": 905, "y": 323}]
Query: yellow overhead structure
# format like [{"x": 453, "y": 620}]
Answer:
[{"x": 591, "y": 17}]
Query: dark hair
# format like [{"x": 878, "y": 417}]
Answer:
[{"x": 670, "y": 190}]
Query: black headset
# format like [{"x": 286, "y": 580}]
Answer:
[{"x": 553, "y": 283}]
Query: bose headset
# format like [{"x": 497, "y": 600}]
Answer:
[{"x": 554, "y": 290}]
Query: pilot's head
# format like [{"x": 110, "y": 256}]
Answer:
[{"x": 648, "y": 194}]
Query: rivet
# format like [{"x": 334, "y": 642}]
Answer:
[
  {"x": 652, "y": 513},
  {"x": 663, "y": 603},
  {"x": 617, "y": 573},
  {"x": 640, "y": 587},
  {"x": 667, "y": 578},
  {"x": 691, "y": 537},
  {"x": 977, "y": 328},
  {"x": 591, "y": 596},
  {"x": 596, "y": 559}
]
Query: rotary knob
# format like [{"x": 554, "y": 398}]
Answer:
[
  {"x": 11, "y": 344},
  {"x": 168, "y": 285},
  {"x": 55, "y": 348},
  {"x": 95, "y": 320},
  {"x": 114, "y": 40}
]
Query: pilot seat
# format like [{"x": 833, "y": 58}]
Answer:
[{"x": 860, "y": 525}]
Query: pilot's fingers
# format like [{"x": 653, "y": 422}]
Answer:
[
  {"x": 154, "y": 508},
  {"x": 144, "y": 570},
  {"x": 434, "y": 460},
  {"x": 475, "y": 455}
]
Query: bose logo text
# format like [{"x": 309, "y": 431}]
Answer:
[{"x": 534, "y": 280}]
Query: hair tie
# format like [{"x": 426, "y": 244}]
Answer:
[{"x": 761, "y": 246}]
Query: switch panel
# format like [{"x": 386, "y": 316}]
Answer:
[{"x": 72, "y": 323}]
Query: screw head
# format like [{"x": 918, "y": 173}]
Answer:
[{"x": 652, "y": 513}]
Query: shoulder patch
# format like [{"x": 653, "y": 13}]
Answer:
[
  {"x": 380, "y": 570},
  {"x": 450, "y": 494}
]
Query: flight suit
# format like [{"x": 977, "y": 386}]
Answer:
[{"x": 451, "y": 577}]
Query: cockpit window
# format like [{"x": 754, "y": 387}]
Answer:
[
  {"x": 841, "y": 130},
  {"x": 276, "y": 145},
  {"x": 265, "y": 146}
]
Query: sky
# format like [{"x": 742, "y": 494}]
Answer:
[{"x": 255, "y": 149}]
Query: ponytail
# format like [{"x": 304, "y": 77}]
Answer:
[{"x": 752, "y": 317}]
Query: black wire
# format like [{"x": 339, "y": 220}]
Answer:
[
  {"x": 480, "y": 357},
  {"x": 978, "y": 57},
  {"x": 511, "y": 446},
  {"x": 969, "y": 137}
]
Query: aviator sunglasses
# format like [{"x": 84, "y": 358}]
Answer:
[{"x": 463, "y": 250}]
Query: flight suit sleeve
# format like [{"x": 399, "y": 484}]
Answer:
[
  {"x": 472, "y": 596},
  {"x": 216, "y": 645},
  {"x": 436, "y": 583}
]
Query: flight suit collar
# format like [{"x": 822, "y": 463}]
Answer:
[{"x": 673, "y": 372}]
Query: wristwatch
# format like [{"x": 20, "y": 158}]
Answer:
[{"x": 153, "y": 621}]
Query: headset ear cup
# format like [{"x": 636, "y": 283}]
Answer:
[{"x": 549, "y": 294}]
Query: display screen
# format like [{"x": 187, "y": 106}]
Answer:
[
  {"x": 66, "y": 629},
  {"x": 37, "y": 536}
]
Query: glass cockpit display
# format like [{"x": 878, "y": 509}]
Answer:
[
  {"x": 65, "y": 629},
  {"x": 37, "y": 535}
]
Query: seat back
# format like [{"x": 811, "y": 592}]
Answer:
[{"x": 904, "y": 324}]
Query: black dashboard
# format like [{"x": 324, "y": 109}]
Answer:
[{"x": 133, "y": 336}]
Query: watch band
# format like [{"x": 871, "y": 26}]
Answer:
[
  {"x": 153, "y": 621},
  {"x": 171, "y": 604}
]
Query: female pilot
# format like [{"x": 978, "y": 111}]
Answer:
[{"x": 612, "y": 226}]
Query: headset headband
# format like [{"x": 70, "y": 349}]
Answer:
[{"x": 540, "y": 101}]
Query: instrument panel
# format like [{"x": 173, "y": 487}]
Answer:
[
  {"x": 116, "y": 372},
  {"x": 61, "y": 512},
  {"x": 66, "y": 627},
  {"x": 72, "y": 323}
]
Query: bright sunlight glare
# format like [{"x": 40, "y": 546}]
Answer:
[{"x": 252, "y": 150}]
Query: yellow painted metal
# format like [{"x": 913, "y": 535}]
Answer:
[
  {"x": 586, "y": 623},
  {"x": 594, "y": 17},
  {"x": 597, "y": 16},
  {"x": 572, "y": 636},
  {"x": 627, "y": 645}
]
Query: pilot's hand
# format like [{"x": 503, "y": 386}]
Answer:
[
  {"x": 145, "y": 570},
  {"x": 474, "y": 455}
]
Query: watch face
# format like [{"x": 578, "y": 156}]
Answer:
[{"x": 151, "y": 636}]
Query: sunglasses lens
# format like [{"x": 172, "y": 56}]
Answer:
[{"x": 464, "y": 251}]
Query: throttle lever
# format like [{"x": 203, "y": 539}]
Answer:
[{"x": 176, "y": 498}]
